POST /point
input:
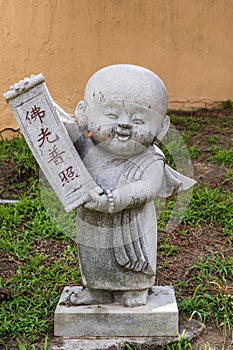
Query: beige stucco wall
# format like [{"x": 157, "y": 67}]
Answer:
[{"x": 187, "y": 42}]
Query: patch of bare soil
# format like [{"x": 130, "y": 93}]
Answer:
[
  {"x": 13, "y": 180},
  {"x": 213, "y": 175},
  {"x": 8, "y": 266}
]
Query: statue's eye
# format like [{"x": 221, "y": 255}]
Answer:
[
  {"x": 111, "y": 115},
  {"x": 138, "y": 121}
]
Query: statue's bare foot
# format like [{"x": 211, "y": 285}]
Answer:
[
  {"x": 135, "y": 298},
  {"x": 91, "y": 296}
]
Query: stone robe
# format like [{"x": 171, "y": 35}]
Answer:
[{"x": 118, "y": 251}]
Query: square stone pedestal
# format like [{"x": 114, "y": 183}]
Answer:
[{"x": 158, "y": 318}]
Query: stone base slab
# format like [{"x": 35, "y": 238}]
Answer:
[
  {"x": 188, "y": 330},
  {"x": 158, "y": 318}
]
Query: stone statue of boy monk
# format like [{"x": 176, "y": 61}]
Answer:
[{"x": 122, "y": 116}]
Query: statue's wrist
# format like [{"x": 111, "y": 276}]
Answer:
[
  {"x": 111, "y": 204},
  {"x": 113, "y": 201}
]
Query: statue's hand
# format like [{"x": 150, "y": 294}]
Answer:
[{"x": 97, "y": 201}]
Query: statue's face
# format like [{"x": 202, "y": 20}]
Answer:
[{"x": 123, "y": 128}]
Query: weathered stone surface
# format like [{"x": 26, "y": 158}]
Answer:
[
  {"x": 187, "y": 330},
  {"x": 158, "y": 318},
  {"x": 49, "y": 141},
  {"x": 124, "y": 112}
]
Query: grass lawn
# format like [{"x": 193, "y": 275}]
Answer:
[{"x": 37, "y": 260}]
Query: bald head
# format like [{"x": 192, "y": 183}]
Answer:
[{"x": 127, "y": 83}]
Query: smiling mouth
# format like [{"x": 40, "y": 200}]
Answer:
[{"x": 123, "y": 136}]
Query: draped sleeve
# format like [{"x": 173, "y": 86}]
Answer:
[{"x": 173, "y": 181}]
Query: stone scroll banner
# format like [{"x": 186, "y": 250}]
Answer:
[{"x": 49, "y": 141}]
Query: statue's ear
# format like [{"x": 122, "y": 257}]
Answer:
[
  {"x": 80, "y": 114},
  {"x": 164, "y": 128}
]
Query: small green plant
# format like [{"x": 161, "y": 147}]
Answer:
[
  {"x": 228, "y": 122},
  {"x": 217, "y": 129},
  {"x": 213, "y": 140},
  {"x": 166, "y": 209},
  {"x": 207, "y": 120},
  {"x": 208, "y": 206},
  {"x": 24, "y": 346},
  {"x": 169, "y": 159},
  {"x": 191, "y": 124},
  {"x": 186, "y": 138},
  {"x": 223, "y": 157},
  {"x": 194, "y": 152},
  {"x": 177, "y": 119},
  {"x": 229, "y": 175},
  {"x": 182, "y": 344},
  {"x": 213, "y": 149},
  {"x": 194, "y": 125},
  {"x": 131, "y": 347},
  {"x": 16, "y": 150},
  {"x": 166, "y": 249},
  {"x": 227, "y": 104}
]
